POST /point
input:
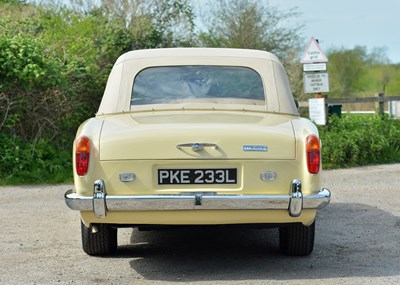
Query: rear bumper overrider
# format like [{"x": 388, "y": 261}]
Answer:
[{"x": 101, "y": 203}]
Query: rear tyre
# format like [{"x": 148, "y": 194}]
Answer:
[
  {"x": 297, "y": 239},
  {"x": 100, "y": 241}
]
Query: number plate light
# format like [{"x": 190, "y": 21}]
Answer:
[{"x": 268, "y": 175}]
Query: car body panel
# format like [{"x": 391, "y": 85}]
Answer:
[
  {"x": 203, "y": 217},
  {"x": 254, "y": 139},
  {"x": 159, "y": 136}
]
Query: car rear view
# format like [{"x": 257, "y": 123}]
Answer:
[{"x": 197, "y": 137}]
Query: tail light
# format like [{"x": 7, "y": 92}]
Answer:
[
  {"x": 82, "y": 155},
  {"x": 313, "y": 151}
]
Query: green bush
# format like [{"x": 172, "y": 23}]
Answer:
[
  {"x": 54, "y": 64},
  {"x": 26, "y": 163},
  {"x": 354, "y": 140}
]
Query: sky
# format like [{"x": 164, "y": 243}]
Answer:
[{"x": 349, "y": 23}]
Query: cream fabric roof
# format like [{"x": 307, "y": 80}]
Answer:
[{"x": 117, "y": 95}]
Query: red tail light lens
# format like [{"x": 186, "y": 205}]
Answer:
[
  {"x": 82, "y": 155},
  {"x": 313, "y": 150}
]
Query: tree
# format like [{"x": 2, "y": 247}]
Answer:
[
  {"x": 55, "y": 58},
  {"x": 345, "y": 69},
  {"x": 163, "y": 23},
  {"x": 12, "y": 2},
  {"x": 251, "y": 24},
  {"x": 352, "y": 70}
]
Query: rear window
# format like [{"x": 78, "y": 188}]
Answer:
[{"x": 198, "y": 84}]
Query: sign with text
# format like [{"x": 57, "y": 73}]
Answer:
[
  {"x": 314, "y": 67},
  {"x": 313, "y": 53},
  {"x": 317, "y": 112},
  {"x": 316, "y": 82}
]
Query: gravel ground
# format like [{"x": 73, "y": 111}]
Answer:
[{"x": 357, "y": 242}]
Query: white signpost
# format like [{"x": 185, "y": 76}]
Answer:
[
  {"x": 316, "y": 80},
  {"x": 317, "y": 110}
]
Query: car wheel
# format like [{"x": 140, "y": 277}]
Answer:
[
  {"x": 100, "y": 239},
  {"x": 297, "y": 239}
]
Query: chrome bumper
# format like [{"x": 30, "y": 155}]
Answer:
[{"x": 100, "y": 203}]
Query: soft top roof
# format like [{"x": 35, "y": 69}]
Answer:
[
  {"x": 117, "y": 95},
  {"x": 196, "y": 52}
]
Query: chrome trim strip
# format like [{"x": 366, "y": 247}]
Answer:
[
  {"x": 77, "y": 202},
  {"x": 296, "y": 200},
  {"x": 208, "y": 202},
  {"x": 317, "y": 201},
  {"x": 197, "y": 146},
  {"x": 99, "y": 199}
]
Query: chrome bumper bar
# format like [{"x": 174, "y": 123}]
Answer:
[{"x": 101, "y": 203}]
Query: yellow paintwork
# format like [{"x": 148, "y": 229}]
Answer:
[
  {"x": 249, "y": 169},
  {"x": 141, "y": 141},
  {"x": 161, "y": 135},
  {"x": 200, "y": 217}
]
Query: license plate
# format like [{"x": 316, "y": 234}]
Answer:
[{"x": 197, "y": 176}]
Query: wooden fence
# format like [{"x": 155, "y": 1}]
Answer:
[{"x": 379, "y": 99}]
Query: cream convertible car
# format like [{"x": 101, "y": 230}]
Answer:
[{"x": 197, "y": 136}]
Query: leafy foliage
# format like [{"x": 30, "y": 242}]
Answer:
[
  {"x": 346, "y": 67},
  {"x": 22, "y": 162},
  {"x": 255, "y": 24},
  {"x": 359, "y": 73},
  {"x": 54, "y": 63},
  {"x": 354, "y": 140},
  {"x": 251, "y": 24}
]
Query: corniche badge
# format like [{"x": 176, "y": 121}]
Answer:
[{"x": 255, "y": 148}]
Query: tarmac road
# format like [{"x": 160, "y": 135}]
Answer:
[{"x": 357, "y": 242}]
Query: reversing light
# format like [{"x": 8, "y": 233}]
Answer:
[
  {"x": 82, "y": 155},
  {"x": 313, "y": 151}
]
